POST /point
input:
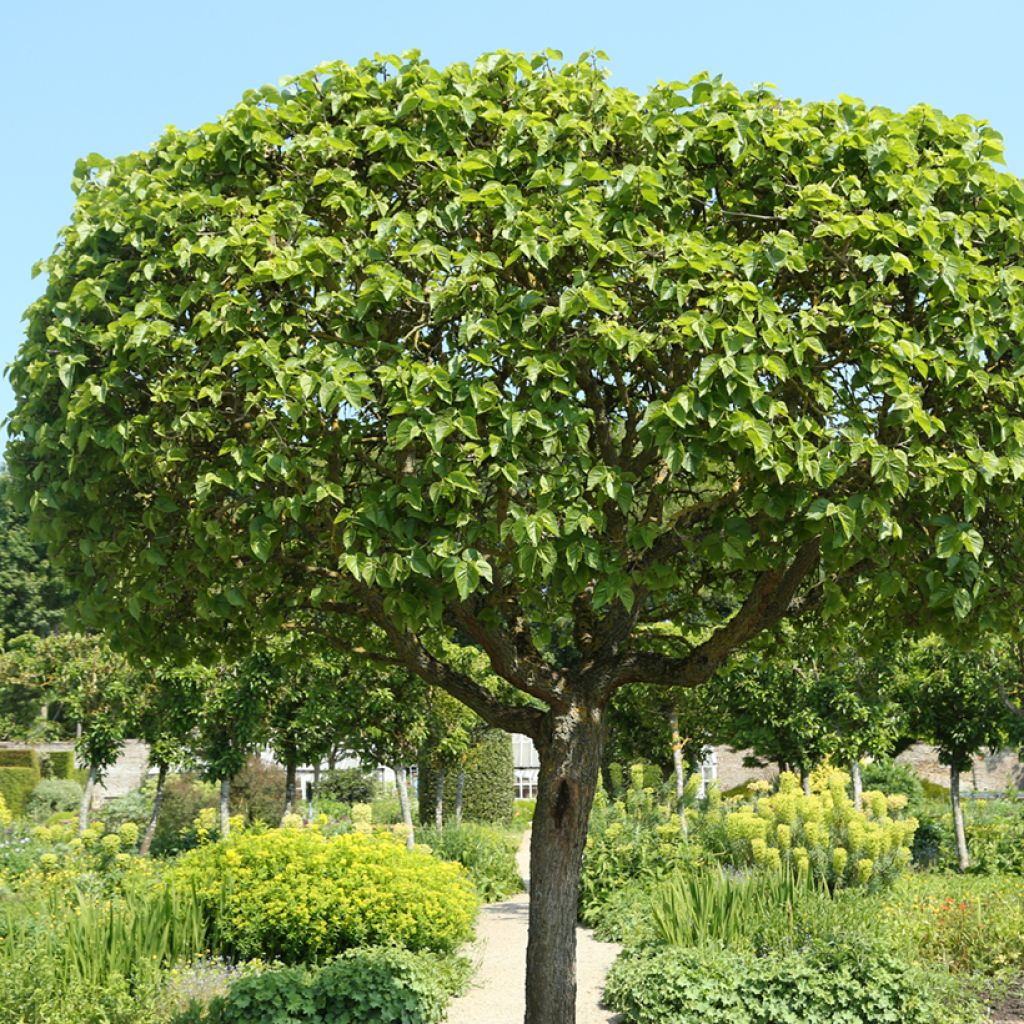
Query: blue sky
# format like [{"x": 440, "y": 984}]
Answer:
[{"x": 108, "y": 76}]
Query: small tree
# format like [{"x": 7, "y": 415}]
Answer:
[
  {"x": 505, "y": 353},
  {"x": 953, "y": 702}
]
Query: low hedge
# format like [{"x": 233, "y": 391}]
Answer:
[
  {"x": 850, "y": 984},
  {"x": 376, "y": 985},
  {"x": 19, "y": 759},
  {"x": 16, "y": 785},
  {"x": 62, "y": 764},
  {"x": 296, "y": 895}
]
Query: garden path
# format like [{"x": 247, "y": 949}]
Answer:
[{"x": 497, "y": 995}]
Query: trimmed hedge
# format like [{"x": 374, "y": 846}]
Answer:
[
  {"x": 19, "y": 759},
  {"x": 62, "y": 764},
  {"x": 489, "y": 793},
  {"x": 16, "y": 785}
]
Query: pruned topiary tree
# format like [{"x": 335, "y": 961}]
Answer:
[{"x": 503, "y": 355}]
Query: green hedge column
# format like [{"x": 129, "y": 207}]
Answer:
[
  {"x": 16, "y": 785},
  {"x": 489, "y": 793}
]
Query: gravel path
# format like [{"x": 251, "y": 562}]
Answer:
[{"x": 500, "y": 950}]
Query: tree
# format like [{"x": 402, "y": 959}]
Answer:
[
  {"x": 812, "y": 694},
  {"x": 502, "y": 353},
  {"x": 33, "y": 595},
  {"x": 953, "y": 702}
]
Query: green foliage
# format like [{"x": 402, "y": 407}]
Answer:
[
  {"x": 372, "y": 985},
  {"x": 257, "y": 792},
  {"x": 488, "y": 854},
  {"x": 296, "y": 895},
  {"x": 488, "y": 795},
  {"x": 51, "y": 796},
  {"x": 886, "y": 775},
  {"x": 19, "y": 759},
  {"x": 828, "y": 984},
  {"x": 16, "y": 785},
  {"x": 633, "y": 839},
  {"x": 522, "y": 814},
  {"x": 995, "y": 835},
  {"x": 348, "y": 785},
  {"x": 966, "y": 923},
  {"x": 822, "y": 835},
  {"x": 710, "y": 908},
  {"x": 62, "y": 763},
  {"x": 184, "y": 797}
]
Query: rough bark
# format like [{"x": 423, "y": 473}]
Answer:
[
  {"x": 86, "y": 802},
  {"x": 570, "y": 759},
  {"x": 225, "y": 808},
  {"x": 442, "y": 774},
  {"x": 289, "y": 788},
  {"x": 460, "y": 788},
  {"x": 858, "y": 785},
  {"x": 677, "y": 762},
  {"x": 154, "y": 817},
  {"x": 962, "y": 854},
  {"x": 402, "y": 781}
]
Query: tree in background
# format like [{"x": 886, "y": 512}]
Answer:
[
  {"x": 506, "y": 354},
  {"x": 953, "y": 701}
]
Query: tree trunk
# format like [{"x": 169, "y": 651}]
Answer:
[
  {"x": 805, "y": 780},
  {"x": 570, "y": 763},
  {"x": 316, "y": 778},
  {"x": 677, "y": 761},
  {"x": 460, "y": 788},
  {"x": 402, "y": 784},
  {"x": 154, "y": 817},
  {"x": 962, "y": 855},
  {"x": 289, "y": 787},
  {"x": 83, "y": 807},
  {"x": 225, "y": 808},
  {"x": 442, "y": 775},
  {"x": 858, "y": 785}
]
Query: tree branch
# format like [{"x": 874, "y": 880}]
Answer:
[{"x": 768, "y": 601}]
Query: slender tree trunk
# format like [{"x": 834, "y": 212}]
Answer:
[
  {"x": 858, "y": 784},
  {"x": 805, "y": 780},
  {"x": 289, "y": 786},
  {"x": 677, "y": 762},
  {"x": 962, "y": 855},
  {"x": 442, "y": 775},
  {"x": 83, "y": 807},
  {"x": 316, "y": 778},
  {"x": 402, "y": 784},
  {"x": 154, "y": 817},
  {"x": 570, "y": 764},
  {"x": 460, "y": 788},
  {"x": 225, "y": 808}
]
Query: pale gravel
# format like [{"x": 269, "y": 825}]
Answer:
[{"x": 497, "y": 992}]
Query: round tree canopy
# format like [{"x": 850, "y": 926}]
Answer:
[{"x": 504, "y": 347}]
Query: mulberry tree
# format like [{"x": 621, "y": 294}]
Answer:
[{"x": 503, "y": 356}]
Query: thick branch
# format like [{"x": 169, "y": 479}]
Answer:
[
  {"x": 769, "y": 600},
  {"x": 417, "y": 659}
]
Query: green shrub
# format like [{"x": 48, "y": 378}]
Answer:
[
  {"x": 890, "y": 777},
  {"x": 295, "y": 894},
  {"x": 19, "y": 759},
  {"x": 995, "y": 836},
  {"x": 827, "y": 985},
  {"x": 372, "y": 985},
  {"x": 184, "y": 797},
  {"x": 387, "y": 810},
  {"x": 522, "y": 814},
  {"x": 347, "y": 786},
  {"x": 134, "y": 807},
  {"x": 489, "y": 855},
  {"x": 61, "y": 763},
  {"x": 631, "y": 840},
  {"x": 488, "y": 794},
  {"x": 51, "y": 796},
  {"x": 257, "y": 792},
  {"x": 16, "y": 785}
]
